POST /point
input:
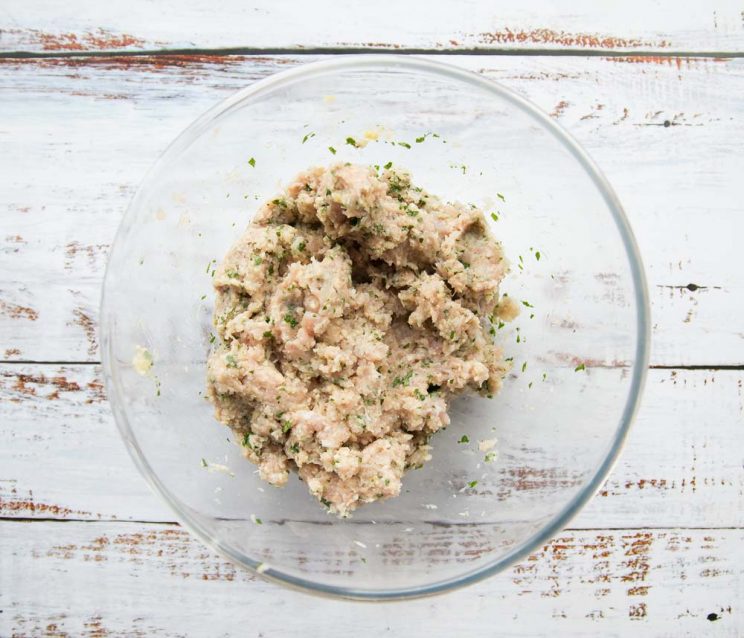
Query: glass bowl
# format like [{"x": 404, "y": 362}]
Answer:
[{"x": 579, "y": 347}]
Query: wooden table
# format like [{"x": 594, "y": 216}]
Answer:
[{"x": 90, "y": 94}]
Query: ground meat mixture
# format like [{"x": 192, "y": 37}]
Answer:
[{"x": 349, "y": 312}]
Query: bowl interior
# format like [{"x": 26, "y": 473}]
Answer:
[{"x": 573, "y": 264}]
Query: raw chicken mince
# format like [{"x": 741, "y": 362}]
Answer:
[{"x": 354, "y": 306}]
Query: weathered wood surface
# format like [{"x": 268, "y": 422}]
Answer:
[
  {"x": 682, "y": 465},
  {"x": 78, "y": 134},
  {"x": 85, "y": 549},
  {"x": 633, "y": 25},
  {"x": 119, "y": 579}
]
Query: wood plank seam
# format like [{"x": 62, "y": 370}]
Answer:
[{"x": 310, "y": 51}]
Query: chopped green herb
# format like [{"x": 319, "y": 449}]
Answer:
[
  {"x": 579, "y": 367},
  {"x": 494, "y": 217},
  {"x": 271, "y": 269},
  {"x": 501, "y": 197},
  {"x": 268, "y": 334},
  {"x": 524, "y": 366},
  {"x": 464, "y": 439},
  {"x": 301, "y": 246},
  {"x": 537, "y": 255},
  {"x": 252, "y": 162},
  {"x": 232, "y": 274},
  {"x": 333, "y": 150},
  {"x": 295, "y": 447},
  {"x": 420, "y": 139},
  {"x": 387, "y": 166},
  {"x": 472, "y": 483},
  {"x": 204, "y": 463},
  {"x": 286, "y": 425},
  {"x": 258, "y": 261},
  {"x": 527, "y": 304},
  {"x": 404, "y": 144},
  {"x": 307, "y": 137},
  {"x": 489, "y": 457},
  {"x": 209, "y": 265},
  {"x": 231, "y": 363},
  {"x": 258, "y": 521},
  {"x": 325, "y": 502},
  {"x": 291, "y": 320},
  {"x": 419, "y": 395},
  {"x": 545, "y": 376},
  {"x": 404, "y": 380},
  {"x": 351, "y": 141},
  {"x": 452, "y": 335},
  {"x": 203, "y": 297}
]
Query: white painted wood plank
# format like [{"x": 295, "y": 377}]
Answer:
[
  {"x": 85, "y": 25},
  {"x": 682, "y": 466},
  {"x": 114, "y": 579},
  {"x": 78, "y": 135}
]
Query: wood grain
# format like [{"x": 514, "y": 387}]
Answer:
[
  {"x": 681, "y": 467},
  {"x": 634, "y": 25},
  {"x": 117, "y": 579},
  {"x": 79, "y": 134},
  {"x": 86, "y": 550}
]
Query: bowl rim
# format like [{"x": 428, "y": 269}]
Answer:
[{"x": 572, "y": 508}]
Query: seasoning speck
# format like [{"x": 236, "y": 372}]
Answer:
[{"x": 142, "y": 360}]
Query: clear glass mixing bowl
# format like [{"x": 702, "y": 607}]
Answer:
[{"x": 575, "y": 263}]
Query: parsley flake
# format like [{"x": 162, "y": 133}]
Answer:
[{"x": 404, "y": 380}]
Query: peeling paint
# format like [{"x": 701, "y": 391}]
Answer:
[
  {"x": 566, "y": 39},
  {"x": 14, "y": 311},
  {"x": 98, "y": 40}
]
